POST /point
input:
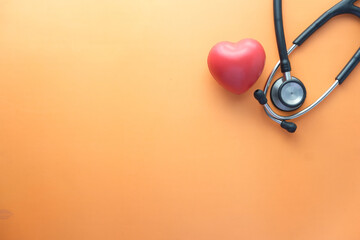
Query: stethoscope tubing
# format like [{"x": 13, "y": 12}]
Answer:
[{"x": 343, "y": 7}]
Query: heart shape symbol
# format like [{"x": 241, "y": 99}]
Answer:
[{"x": 237, "y": 66}]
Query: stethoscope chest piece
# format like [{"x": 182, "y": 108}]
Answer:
[{"x": 288, "y": 95}]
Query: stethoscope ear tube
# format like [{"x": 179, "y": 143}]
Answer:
[
  {"x": 261, "y": 97},
  {"x": 354, "y": 61}
]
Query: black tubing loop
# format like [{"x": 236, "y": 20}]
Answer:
[
  {"x": 343, "y": 7},
  {"x": 350, "y": 66},
  {"x": 280, "y": 37}
]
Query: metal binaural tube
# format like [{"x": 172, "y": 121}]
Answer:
[{"x": 269, "y": 111}]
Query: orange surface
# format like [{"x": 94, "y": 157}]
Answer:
[{"x": 111, "y": 126}]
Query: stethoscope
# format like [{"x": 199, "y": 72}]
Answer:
[{"x": 288, "y": 93}]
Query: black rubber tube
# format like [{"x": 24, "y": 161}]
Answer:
[
  {"x": 280, "y": 37},
  {"x": 343, "y": 7},
  {"x": 354, "y": 61}
]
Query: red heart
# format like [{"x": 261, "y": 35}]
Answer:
[{"x": 237, "y": 66}]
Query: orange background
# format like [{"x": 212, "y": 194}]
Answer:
[{"x": 111, "y": 126}]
